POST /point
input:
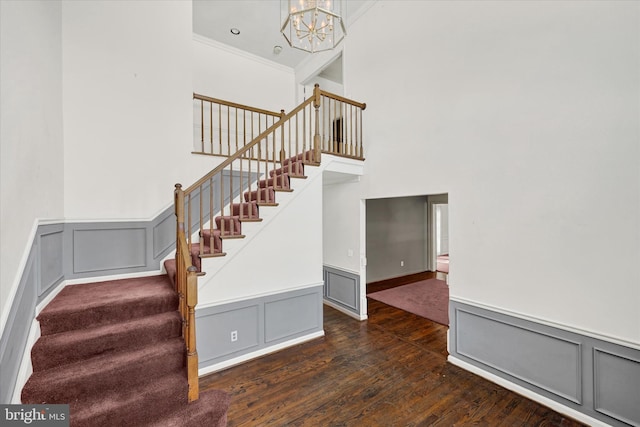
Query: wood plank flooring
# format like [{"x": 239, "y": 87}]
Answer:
[{"x": 390, "y": 370}]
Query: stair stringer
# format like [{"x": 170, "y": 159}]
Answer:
[{"x": 281, "y": 253}]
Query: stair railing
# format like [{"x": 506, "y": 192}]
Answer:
[
  {"x": 341, "y": 126},
  {"x": 248, "y": 179},
  {"x": 186, "y": 283},
  {"x": 221, "y": 127}
]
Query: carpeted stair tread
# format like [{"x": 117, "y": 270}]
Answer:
[
  {"x": 245, "y": 210},
  {"x": 231, "y": 223},
  {"x": 281, "y": 181},
  {"x": 206, "y": 236},
  {"x": 103, "y": 373},
  {"x": 293, "y": 169},
  {"x": 307, "y": 157},
  {"x": 133, "y": 406},
  {"x": 263, "y": 195},
  {"x": 172, "y": 270},
  {"x": 209, "y": 410},
  {"x": 106, "y": 303},
  {"x": 68, "y": 347}
]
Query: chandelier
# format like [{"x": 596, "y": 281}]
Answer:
[{"x": 312, "y": 25}]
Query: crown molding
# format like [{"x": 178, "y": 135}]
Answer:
[{"x": 235, "y": 51}]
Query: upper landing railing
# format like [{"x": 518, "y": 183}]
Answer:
[{"x": 221, "y": 127}]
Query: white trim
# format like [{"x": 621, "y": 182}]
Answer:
[
  {"x": 6, "y": 308},
  {"x": 344, "y": 270},
  {"x": 568, "y": 328},
  {"x": 261, "y": 295},
  {"x": 345, "y": 311},
  {"x": 235, "y": 51},
  {"x": 26, "y": 368},
  {"x": 565, "y": 410},
  {"x": 246, "y": 357}
]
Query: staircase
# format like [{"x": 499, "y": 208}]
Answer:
[
  {"x": 210, "y": 242},
  {"x": 113, "y": 351},
  {"x": 123, "y": 352}
]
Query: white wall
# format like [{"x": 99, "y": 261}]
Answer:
[
  {"x": 529, "y": 106},
  {"x": 284, "y": 252},
  {"x": 31, "y": 159},
  {"x": 222, "y": 72},
  {"x": 127, "y": 106},
  {"x": 341, "y": 225}
]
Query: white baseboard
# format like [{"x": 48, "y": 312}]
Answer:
[
  {"x": 565, "y": 410},
  {"x": 246, "y": 357}
]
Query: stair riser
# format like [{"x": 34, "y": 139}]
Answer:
[
  {"x": 246, "y": 210},
  {"x": 61, "y": 349},
  {"x": 232, "y": 225},
  {"x": 265, "y": 195},
  {"x": 113, "y": 374},
  {"x": 206, "y": 237},
  {"x": 130, "y": 408},
  {"x": 293, "y": 169},
  {"x": 307, "y": 156},
  {"x": 106, "y": 315},
  {"x": 279, "y": 182}
]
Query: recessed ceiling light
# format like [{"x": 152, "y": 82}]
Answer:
[{"x": 235, "y": 31}]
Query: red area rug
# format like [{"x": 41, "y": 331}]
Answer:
[{"x": 427, "y": 298}]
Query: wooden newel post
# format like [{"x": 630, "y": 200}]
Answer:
[
  {"x": 317, "y": 99},
  {"x": 192, "y": 353},
  {"x": 178, "y": 200}
]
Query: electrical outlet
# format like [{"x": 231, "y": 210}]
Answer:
[
  {"x": 401, "y": 263},
  {"x": 234, "y": 336},
  {"x": 350, "y": 252}
]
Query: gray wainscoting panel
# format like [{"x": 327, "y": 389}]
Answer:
[
  {"x": 342, "y": 288},
  {"x": 163, "y": 231},
  {"x": 286, "y": 317},
  {"x": 16, "y": 332},
  {"x": 66, "y": 251},
  {"x": 50, "y": 241},
  {"x": 617, "y": 386},
  {"x": 213, "y": 332},
  {"x": 100, "y": 249},
  {"x": 598, "y": 378},
  {"x": 549, "y": 362},
  {"x": 260, "y": 322}
]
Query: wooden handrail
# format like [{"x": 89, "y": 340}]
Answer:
[
  {"x": 361, "y": 105},
  {"x": 247, "y": 147},
  {"x": 235, "y": 105}
]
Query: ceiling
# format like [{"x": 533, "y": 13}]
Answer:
[{"x": 259, "y": 24}]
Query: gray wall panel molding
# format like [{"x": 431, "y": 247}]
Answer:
[
  {"x": 342, "y": 288},
  {"x": 598, "y": 378},
  {"x": 16, "y": 332},
  {"x": 214, "y": 341},
  {"x": 260, "y": 322},
  {"x": 74, "y": 250},
  {"x": 293, "y": 315},
  {"x": 50, "y": 242},
  {"x": 163, "y": 233},
  {"x": 109, "y": 248},
  {"x": 616, "y": 385},
  {"x": 541, "y": 359}
]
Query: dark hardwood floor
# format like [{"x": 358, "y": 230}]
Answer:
[{"x": 390, "y": 370}]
